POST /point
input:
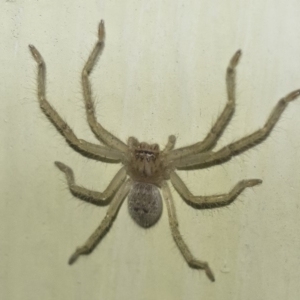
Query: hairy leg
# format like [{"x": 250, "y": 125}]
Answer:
[
  {"x": 86, "y": 148},
  {"x": 241, "y": 145},
  {"x": 213, "y": 200},
  {"x": 106, "y": 223},
  {"x": 192, "y": 262},
  {"x": 88, "y": 195},
  {"x": 101, "y": 133},
  {"x": 216, "y": 131}
]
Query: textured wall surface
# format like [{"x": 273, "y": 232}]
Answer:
[{"x": 162, "y": 72}]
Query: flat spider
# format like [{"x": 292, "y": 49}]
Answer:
[{"x": 146, "y": 168}]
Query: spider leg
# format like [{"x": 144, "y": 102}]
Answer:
[
  {"x": 88, "y": 195},
  {"x": 86, "y": 148},
  {"x": 170, "y": 145},
  {"x": 241, "y": 145},
  {"x": 211, "y": 139},
  {"x": 192, "y": 262},
  {"x": 213, "y": 200},
  {"x": 101, "y": 133},
  {"x": 106, "y": 223}
]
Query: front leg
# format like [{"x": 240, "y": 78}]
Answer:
[
  {"x": 219, "y": 126},
  {"x": 213, "y": 200},
  {"x": 82, "y": 146},
  {"x": 101, "y": 133}
]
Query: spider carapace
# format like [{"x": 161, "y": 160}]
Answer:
[{"x": 147, "y": 163}]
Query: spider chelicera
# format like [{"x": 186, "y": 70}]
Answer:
[{"x": 145, "y": 168}]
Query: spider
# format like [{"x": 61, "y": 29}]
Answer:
[{"x": 145, "y": 168}]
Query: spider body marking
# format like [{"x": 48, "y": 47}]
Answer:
[{"x": 146, "y": 169}]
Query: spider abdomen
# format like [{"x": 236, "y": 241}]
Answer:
[{"x": 144, "y": 204}]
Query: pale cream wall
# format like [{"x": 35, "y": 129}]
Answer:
[{"x": 162, "y": 72}]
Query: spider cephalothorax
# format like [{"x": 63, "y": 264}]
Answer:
[
  {"x": 146, "y": 163},
  {"x": 145, "y": 168}
]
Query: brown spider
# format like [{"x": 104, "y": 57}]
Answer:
[{"x": 146, "y": 168}]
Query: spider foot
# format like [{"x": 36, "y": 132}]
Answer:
[
  {"x": 235, "y": 59},
  {"x": 73, "y": 258},
  {"x": 253, "y": 182},
  {"x": 292, "y": 96},
  {"x": 196, "y": 264},
  {"x": 62, "y": 166},
  {"x": 209, "y": 274},
  {"x": 101, "y": 31},
  {"x": 36, "y": 54},
  {"x": 77, "y": 253}
]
